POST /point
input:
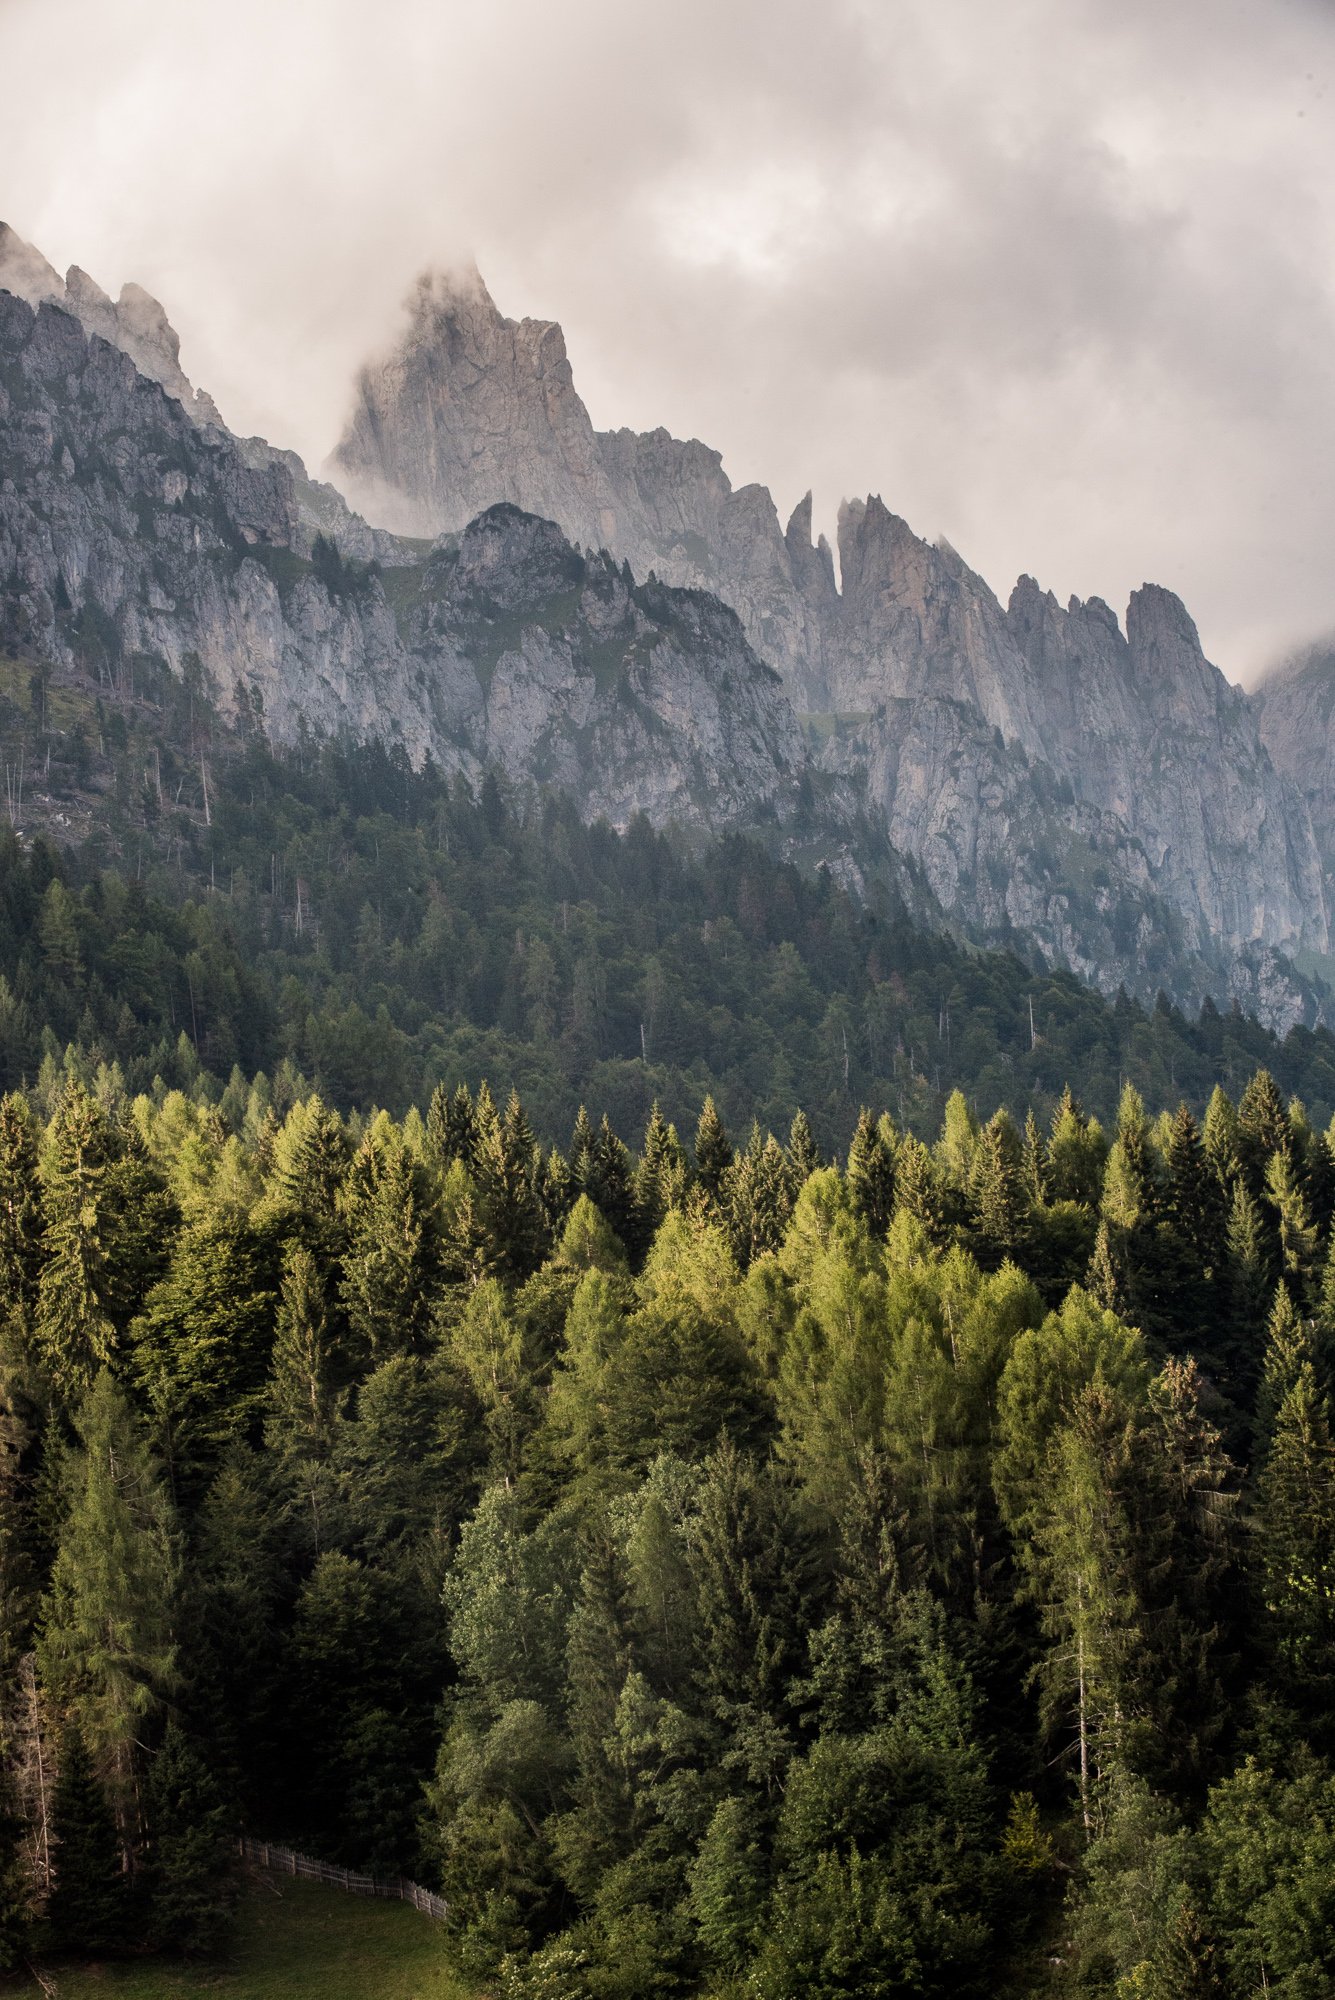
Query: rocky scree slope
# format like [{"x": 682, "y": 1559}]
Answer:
[
  {"x": 1103, "y": 793},
  {"x": 133, "y": 539}
]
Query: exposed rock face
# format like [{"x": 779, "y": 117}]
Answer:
[
  {"x": 1107, "y": 796},
  {"x": 130, "y": 535},
  {"x": 1295, "y": 708},
  {"x": 134, "y": 322},
  {"x": 471, "y": 408},
  {"x": 1103, "y": 796}
]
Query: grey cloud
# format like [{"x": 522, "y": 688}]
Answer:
[{"x": 1055, "y": 278}]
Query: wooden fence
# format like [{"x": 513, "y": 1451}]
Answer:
[{"x": 396, "y": 1888}]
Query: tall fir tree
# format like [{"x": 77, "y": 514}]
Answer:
[
  {"x": 74, "y": 1328},
  {"x": 871, "y": 1174},
  {"x": 89, "y": 1907},
  {"x": 713, "y": 1152}
]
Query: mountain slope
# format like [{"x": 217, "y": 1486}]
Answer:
[
  {"x": 1106, "y": 795},
  {"x": 133, "y": 540}
]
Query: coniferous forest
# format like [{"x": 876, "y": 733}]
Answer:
[
  {"x": 778, "y": 1548},
  {"x": 717, "y": 1567}
]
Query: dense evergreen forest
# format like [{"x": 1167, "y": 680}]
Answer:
[
  {"x": 719, "y": 1570},
  {"x": 343, "y": 923}
]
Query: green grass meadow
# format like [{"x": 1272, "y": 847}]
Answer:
[{"x": 295, "y": 1941}]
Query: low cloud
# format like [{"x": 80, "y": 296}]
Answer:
[{"x": 1055, "y": 278}]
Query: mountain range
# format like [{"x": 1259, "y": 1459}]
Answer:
[{"x": 486, "y": 579}]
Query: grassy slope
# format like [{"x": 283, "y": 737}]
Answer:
[{"x": 296, "y": 1941}]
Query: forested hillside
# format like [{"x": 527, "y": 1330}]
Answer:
[
  {"x": 718, "y": 1570},
  {"x": 182, "y": 899}
]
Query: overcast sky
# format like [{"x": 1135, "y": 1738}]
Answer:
[{"x": 1055, "y": 277}]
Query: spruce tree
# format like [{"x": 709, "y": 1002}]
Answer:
[
  {"x": 660, "y": 1177},
  {"x": 1299, "y": 1246},
  {"x": 1035, "y": 1171},
  {"x": 871, "y": 1175},
  {"x": 451, "y": 1128},
  {"x": 508, "y": 1172},
  {"x": 107, "y": 1645},
  {"x": 919, "y": 1191},
  {"x": 999, "y": 1199},
  {"x": 1263, "y": 1129},
  {"x": 15, "y": 1911},
  {"x": 388, "y": 1264},
  {"x": 192, "y": 1875},
  {"x": 1184, "y": 1964},
  {"x": 1219, "y": 1140},
  {"x": 89, "y": 1906},
  {"x": 713, "y": 1152},
  {"x": 20, "y": 1210},
  {"x": 1295, "y": 1540},
  {"x": 75, "y": 1333},
  {"x": 803, "y": 1153}
]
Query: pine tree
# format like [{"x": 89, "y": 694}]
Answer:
[
  {"x": 509, "y": 1166},
  {"x": 760, "y": 1202},
  {"x": 871, "y": 1175},
  {"x": 1298, "y": 1241},
  {"x": 1263, "y": 1129},
  {"x": 20, "y": 1210},
  {"x": 1075, "y": 1154},
  {"x": 1035, "y": 1171},
  {"x": 1000, "y": 1204},
  {"x": 192, "y": 1877},
  {"x": 1290, "y": 1345},
  {"x": 451, "y": 1128},
  {"x": 1219, "y": 1140},
  {"x": 1193, "y": 1199},
  {"x": 303, "y": 1399},
  {"x": 1295, "y": 1539},
  {"x": 75, "y": 1333},
  {"x": 609, "y": 1181},
  {"x": 1320, "y": 1168},
  {"x": 660, "y": 1177},
  {"x": 15, "y": 1913},
  {"x": 1184, "y": 1964},
  {"x": 1250, "y": 1282},
  {"x": 713, "y": 1152},
  {"x": 580, "y": 1151},
  {"x": 200, "y": 1348},
  {"x": 919, "y": 1191},
  {"x": 311, "y": 1182},
  {"x": 803, "y": 1153},
  {"x": 89, "y": 1907},
  {"x": 107, "y": 1647},
  {"x": 1101, "y": 1279},
  {"x": 385, "y": 1288}
]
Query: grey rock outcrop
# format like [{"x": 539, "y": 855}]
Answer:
[
  {"x": 1295, "y": 710},
  {"x": 135, "y": 322}
]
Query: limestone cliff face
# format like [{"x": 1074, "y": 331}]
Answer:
[
  {"x": 1134, "y": 747},
  {"x": 1295, "y": 710},
  {"x": 1104, "y": 794},
  {"x": 129, "y": 534},
  {"x": 135, "y": 322}
]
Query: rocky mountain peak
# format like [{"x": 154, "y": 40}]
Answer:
[
  {"x": 25, "y": 271},
  {"x": 136, "y": 322}
]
